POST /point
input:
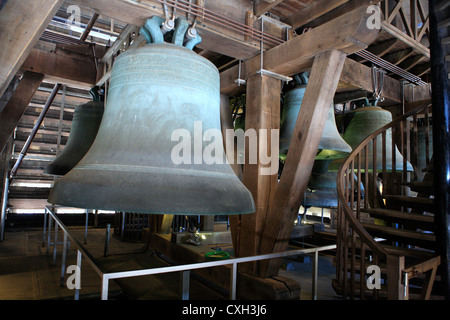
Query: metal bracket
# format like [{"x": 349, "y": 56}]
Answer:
[
  {"x": 268, "y": 73},
  {"x": 262, "y": 71},
  {"x": 278, "y": 23},
  {"x": 240, "y": 81}
]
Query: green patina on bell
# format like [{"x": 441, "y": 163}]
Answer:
[
  {"x": 155, "y": 90},
  {"x": 331, "y": 145},
  {"x": 85, "y": 123},
  {"x": 322, "y": 186},
  {"x": 365, "y": 121}
]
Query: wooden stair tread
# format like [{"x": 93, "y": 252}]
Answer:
[
  {"x": 399, "y": 215},
  {"x": 412, "y": 202},
  {"x": 418, "y": 254},
  {"x": 406, "y": 199},
  {"x": 407, "y": 235},
  {"x": 426, "y": 187}
]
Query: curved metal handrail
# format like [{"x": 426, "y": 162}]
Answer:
[{"x": 349, "y": 215}]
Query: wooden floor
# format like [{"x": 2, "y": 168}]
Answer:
[{"x": 27, "y": 273}]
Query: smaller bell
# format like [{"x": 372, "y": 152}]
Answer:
[
  {"x": 365, "y": 121},
  {"x": 322, "y": 186},
  {"x": 85, "y": 124},
  {"x": 331, "y": 145},
  {"x": 322, "y": 191}
]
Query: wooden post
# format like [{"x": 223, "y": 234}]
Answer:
[
  {"x": 14, "y": 109},
  {"x": 395, "y": 267},
  {"x": 21, "y": 25},
  {"x": 262, "y": 112},
  {"x": 283, "y": 209}
]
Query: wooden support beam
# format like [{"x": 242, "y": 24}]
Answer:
[
  {"x": 395, "y": 32},
  {"x": 312, "y": 12},
  {"x": 21, "y": 25},
  {"x": 348, "y": 33},
  {"x": 333, "y": 14},
  {"x": 262, "y": 113},
  {"x": 284, "y": 206},
  {"x": 358, "y": 75},
  {"x": 14, "y": 109},
  {"x": 421, "y": 69},
  {"x": 226, "y": 122},
  {"x": 262, "y": 6},
  {"x": 60, "y": 65},
  {"x": 395, "y": 265}
]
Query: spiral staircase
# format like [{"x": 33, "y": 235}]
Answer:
[
  {"x": 390, "y": 230},
  {"x": 390, "y": 224}
]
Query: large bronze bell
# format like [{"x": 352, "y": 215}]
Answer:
[
  {"x": 85, "y": 123},
  {"x": 160, "y": 94},
  {"x": 322, "y": 186},
  {"x": 365, "y": 121},
  {"x": 331, "y": 145}
]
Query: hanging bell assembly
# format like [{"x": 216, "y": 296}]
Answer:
[
  {"x": 365, "y": 121},
  {"x": 85, "y": 123},
  {"x": 321, "y": 191},
  {"x": 331, "y": 145},
  {"x": 155, "y": 91},
  {"x": 322, "y": 186}
]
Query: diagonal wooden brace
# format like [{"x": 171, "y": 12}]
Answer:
[{"x": 284, "y": 206}]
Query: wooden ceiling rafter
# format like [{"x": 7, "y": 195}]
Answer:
[{"x": 263, "y": 6}]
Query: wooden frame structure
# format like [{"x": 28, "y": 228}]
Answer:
[{"x": 323, "y": 50}]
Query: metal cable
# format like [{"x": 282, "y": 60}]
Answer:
[{"x": 391, "y": 67}]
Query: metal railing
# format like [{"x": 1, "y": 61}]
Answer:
[{"x": 185, "y": 269}]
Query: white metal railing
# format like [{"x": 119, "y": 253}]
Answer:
[{"x": 185, "y": 269}]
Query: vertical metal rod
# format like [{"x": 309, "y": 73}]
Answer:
[
  {"x": 77, "y": 289},
  {"x": 86, "y": 226},
  {"x": 233, "y": 279},
  {"x": 55, "y": 243},
  {"x": 108, "y": 230},
  {"x": 315, "y": 274},
  {"x": 185, "y": 284},
  {"x": 122, "y": 229},
  {"x": 63, "y": 263},
  {"x": 262, "y": 43},
  {"x": 4, "y": 206},
  {"x": 60, "y": 124},
  {"x": 45, "y": 226},
  {"x": 49, "y": 231},
  {"x": 105, "y": 287},
  {"x": 96, "y": 218}
]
